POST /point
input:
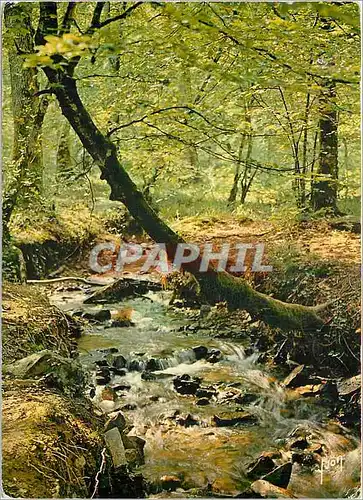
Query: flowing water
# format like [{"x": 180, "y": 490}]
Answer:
[{"x": 203, "y": 454}]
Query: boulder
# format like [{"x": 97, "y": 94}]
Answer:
[
  {"x": 120, "y": 323},
  {"x": 170, "y": 483},
  {"x": 120, "y": 372},
  {"x": 35, "y": 365},
  {"x": 133, "y": 458},
  {"x": 301, "y": 375},
  {"x": 136, "y": 444},
  {"x": 259, "y": 467},
  {"x": 202, "y": 402},
  {"x": 116, "y": 420},
  {"x": 97, "y": 316},
  {"x": 152, "y": 365},
  {"x": 120, "y": 387},
  {"x": 184, "y": 384},
  {"x": 214, "y": 355},
  {"x": 200, "y": 352},
  {"x": 65, "y": 374},
  {"x": 247, "y": 398},
  {"x": 102, "y": 380},
  {"x": 307, "y": 459},
  {"x": 205, "y": 393},
  {"x": 279, "y": 476},
  {"x": 187, "y": 421},
  {"x": 129, "y": 407},
  {"x": 102, "y": 362},
  {"x": 115, "y": 446},
  {"x": 299, "y": 443},
  {"x": 119, "y": 362},
  {"x": 350, "y": 386},
  {"x": 268, "y": 490}
]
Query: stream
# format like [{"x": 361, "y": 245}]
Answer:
[{"x": 194, "y": 437}]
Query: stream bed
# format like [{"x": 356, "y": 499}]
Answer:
[{"x": 205, "y": 409}]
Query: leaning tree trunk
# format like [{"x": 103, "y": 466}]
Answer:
[
  {"x": 214, "y": 285},
  {"x": 28, "y": 112}
]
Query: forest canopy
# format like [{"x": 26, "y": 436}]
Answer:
[{"x": 213, "y": 108}]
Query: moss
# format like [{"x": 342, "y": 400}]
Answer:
[
  {"x": 50, "y": 447},
  {"x": 237, "y": 293},
  {"x": 31, "y": 324},
  {"x": 13, "y": 264}
]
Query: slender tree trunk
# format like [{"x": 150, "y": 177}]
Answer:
[
  {"x": 248, "y": 175},
  {"x": 64, "y": 160},
  {"x": 304, "y": 162},
  {"x": 28, "y": 112},
  {"x": 237, "y": 174},
  {"x": 214, "y": 285}
]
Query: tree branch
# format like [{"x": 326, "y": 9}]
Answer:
[
  {"x": 68, "y": 18},
  {"x": 188, "y": 108},
  {"x": 116, "y": 18}
]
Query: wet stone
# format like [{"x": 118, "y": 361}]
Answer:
[
  {"x": 200, "y": 352},
  {"x": 259, "y": 467},
  {"x": 214, "y": 355},
  {"x": 102, "y": 380},
  {"x": 115, "y": 445},
  {"x": 170, "y": 483},
  {"x": 120, "y": 387},
  {"x": 119, "y": 362},
  {"x": 202, "y": 402},
  {"x": 101, "y": 362},
  {"x": 135, "y": 365},
  {"x": 248, "y": 398},
  {"x": 187, "y": 421},
  {"x": 120, "y": 323},
  {"x": 280, "y": 476},
  {"x": 232, "y": 420},
  {"x": 120, "y": 372},
  {"x": 300, "y": 443},
  {"x": 184, "y": 384},
  {"x": 152, "y": 364},
  {"x": 205, "y": 393},
  {"x": 116, "y": 420}
]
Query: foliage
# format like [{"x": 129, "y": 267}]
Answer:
[{"x": 169, "y": 83}]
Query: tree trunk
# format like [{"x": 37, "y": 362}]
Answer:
[
  {"x": 28, "y": 112},
  {"x": 248, "y": 174},
  {"x": 324, "y": 193},
  {"x": 214, "y": 285},
  {"x": 237, "y": 175},
  {"x": 64, "y": 161}
]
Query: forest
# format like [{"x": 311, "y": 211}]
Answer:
[{"x": 181, "y": 249}]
